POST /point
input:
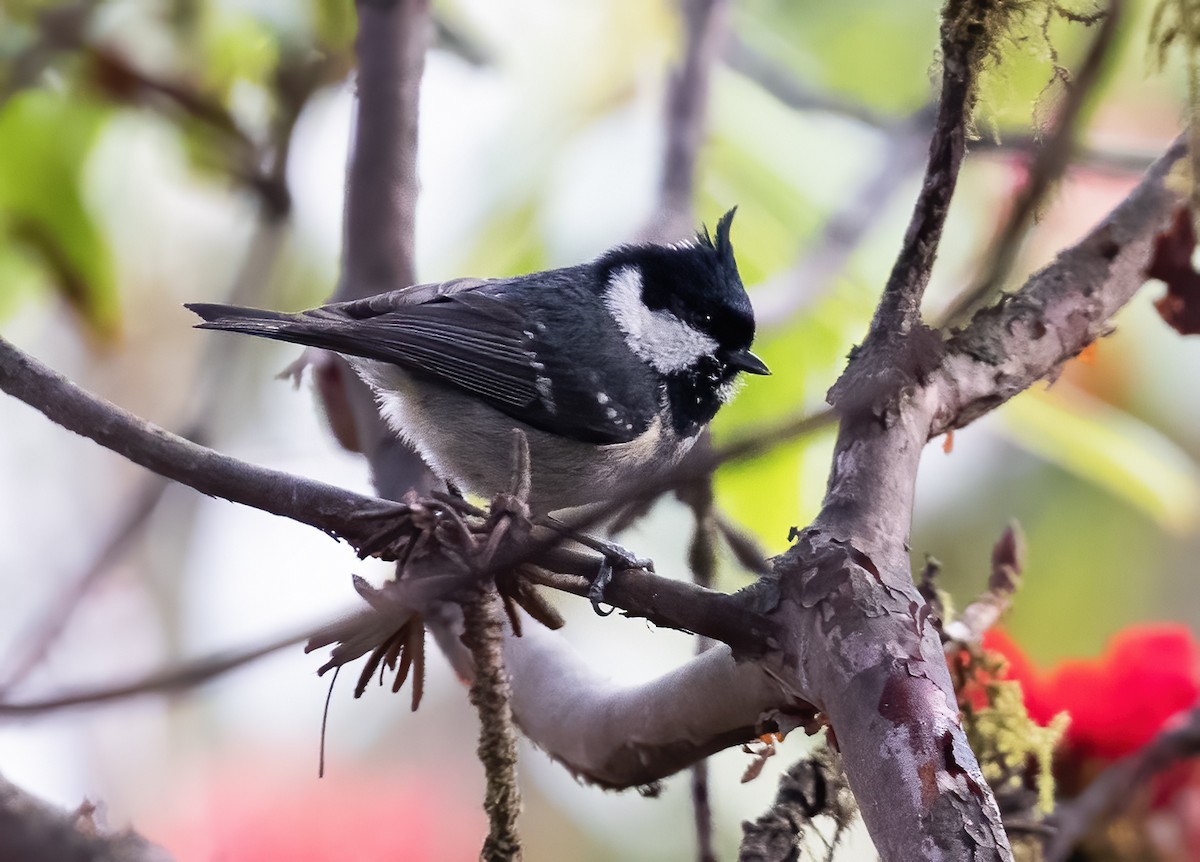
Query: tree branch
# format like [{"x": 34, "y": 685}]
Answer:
[
  {"x": 1061, "y": 309},
  {"x": 335, "y": 511},
  {"x": 1115, "y": 788},
  {"x": 780, "y": 298},
  {"x": 620, "y": 736},
  {"x": 32, "y": 829},
  {"x": 172, "y": 679},
  {"x": 705, "y": 23},
  {"x": 899, "y": 311},
  {"x": 848, "y": 598},
  {"x": 1049, "y": 163}
]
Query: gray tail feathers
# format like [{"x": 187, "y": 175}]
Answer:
[{"x": 311, "y": 331}]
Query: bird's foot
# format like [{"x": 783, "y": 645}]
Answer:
[{"x": 612, "y": 558}]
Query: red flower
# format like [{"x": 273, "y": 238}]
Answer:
[
  {"x": 256, "y": 811},
  {"x": 1119, "y": 701}
]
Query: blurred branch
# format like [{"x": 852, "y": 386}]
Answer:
[
  {"x": 1116, "y": 787},
  {"x": 46, "y": 631},
  {"x": 1049, "y": 163},
  {"x": 778, "y": 300},
  {"x": 705, "y": 23},
  {"x": 380, "y": 217},
  {"x": 785, "y": 86},
  {"x": 58, "y": 27},
  {"x": 165, "y": 681},
  {"x": 1008, "y": 559},
  {"x": 620, "y": 736},
  {"x": 702, "y": 559},
  {"x": 31, "y": 829},
  {"x": 210, "y": 373}
]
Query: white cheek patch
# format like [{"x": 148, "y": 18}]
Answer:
[{"x": 657, "y": 337}]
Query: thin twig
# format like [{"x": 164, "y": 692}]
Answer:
[
  {"x": 899, "y": 309},
  {"x": 1050, "y": 161},
  {"x": 164, "y": 681},
  {"x": 702, "y": 559},
  {"x": 1116, "y": 787},
  {"x": 491, "y": 695},
  {"x": 778, "y": 300},
  {"x": 1008, "y": 559}
]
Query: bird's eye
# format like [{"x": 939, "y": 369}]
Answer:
[{"x": 707, "y": 318}]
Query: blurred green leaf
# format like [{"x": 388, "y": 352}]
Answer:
[
  {"x": 334, "y": 24},
  {"x": 509, "y": 243},
  {"x": 884, "y": 65},
  {"x": 237, "y": 48},
  {"x": 768, "y": 495},
  {"x": 46, "y": 138},
  {"x": 1091, "y": 568},
  {"x": 1110, "y": 449}
]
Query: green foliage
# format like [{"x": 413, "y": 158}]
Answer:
[
  {"x": 237, "y": 48},
  {"x": 1002, "y": 735},
  {"x": 1110, "y": 449},
  {"x": 334, "y": 24},
  {"x": 46, "y": 138},
  {"x": 830, "y": 46},
  {"x": 772, "y": 493}
]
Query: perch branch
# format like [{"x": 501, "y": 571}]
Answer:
[{"x": 333, "y": 510}]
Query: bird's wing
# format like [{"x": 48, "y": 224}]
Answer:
[{"x": 481, "y": 341}]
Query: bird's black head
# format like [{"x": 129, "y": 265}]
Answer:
[{"x": 653, "y": 288}]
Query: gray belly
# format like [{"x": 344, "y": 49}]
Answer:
[{"x": 469, "y": 443}]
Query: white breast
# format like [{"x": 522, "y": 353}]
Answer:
[{"x": 467, "y": 442}]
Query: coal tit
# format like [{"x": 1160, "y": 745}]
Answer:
[{"x": 610, "y": 368}]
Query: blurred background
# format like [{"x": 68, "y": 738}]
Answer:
[{"x": 148, "y": 152}]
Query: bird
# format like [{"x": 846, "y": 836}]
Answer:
[{"x": 612, "y": 368}]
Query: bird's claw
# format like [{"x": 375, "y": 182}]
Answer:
[
  {"x": 596, "y": 591},
  {"x": 611, "y": 554}
]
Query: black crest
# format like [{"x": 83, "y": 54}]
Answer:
[{"x": 722, "y": 245}]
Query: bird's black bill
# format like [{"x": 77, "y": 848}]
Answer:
[{"x": 746, "y": 361}]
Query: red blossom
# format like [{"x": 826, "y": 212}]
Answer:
[
  {"x": 1119, "y": 701},
  {"x": 253, "y": 812}
]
